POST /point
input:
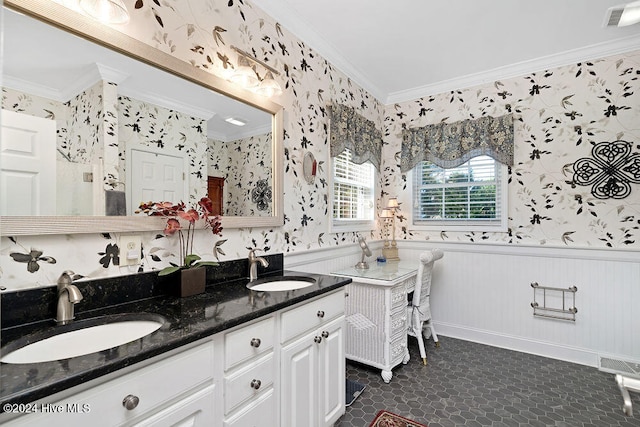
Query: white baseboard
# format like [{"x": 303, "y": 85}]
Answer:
[{"x": 539, "y": 348}]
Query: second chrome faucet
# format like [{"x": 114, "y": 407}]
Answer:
[{"x": 253, "y": 264}]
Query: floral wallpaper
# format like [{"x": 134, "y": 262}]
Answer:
[
  {"x": 148, "y": 125},
  {"x": 242, "y": 163},
  {"x": 559, "y": 114}
]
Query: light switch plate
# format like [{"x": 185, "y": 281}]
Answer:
[{"x": 130, "y": 246}]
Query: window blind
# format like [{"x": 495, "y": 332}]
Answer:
[
  {"x": 353, "y": 187},
  {"x": 468, "y": 194}
]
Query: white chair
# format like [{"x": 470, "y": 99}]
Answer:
[{"x": 419, "y": 310}]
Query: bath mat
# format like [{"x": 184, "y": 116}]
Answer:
[
  {"x": 353, "y": 391},
  {"x": 389, "y": 419}
]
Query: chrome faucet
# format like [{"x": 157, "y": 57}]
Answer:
[
  {"x": 253, "y": 264},
  {"x": 68, "y": 296}
]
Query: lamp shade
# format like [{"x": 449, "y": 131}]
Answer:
[
  {"x": 244, "y": 74},
  {"x": 393, "y": 203},
  {"x": 107, "y": 11},
  {"x": 386, "y": 213}
]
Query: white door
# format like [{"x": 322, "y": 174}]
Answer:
[
  {"x": 27, "y": 165},
  {"x": 155, "y": 177}
]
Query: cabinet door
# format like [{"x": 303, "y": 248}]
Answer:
[
  {"x": 331, "y": 372},
  {"x": 299, "y": 383}
]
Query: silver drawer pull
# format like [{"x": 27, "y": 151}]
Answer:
[
  {"x": 255, "y": 384},
  {"x": 255, "y": 342},
  {"x": 130, "y": 402},
  {"x": 321, "y": 314},
  {"x": 325, "y": 334},
  {"x": 317, "y": 339}
]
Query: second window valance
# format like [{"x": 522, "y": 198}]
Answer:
[
  {"x": 451, "y": 144},
  {"x": 348, "y": 129}
]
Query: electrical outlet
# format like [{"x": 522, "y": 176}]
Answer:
[{"x": 130, "y": 247}]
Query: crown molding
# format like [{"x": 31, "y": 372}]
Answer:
[
  {"x": 592, "y": 52},
  {"x": 303, "y": 31}
]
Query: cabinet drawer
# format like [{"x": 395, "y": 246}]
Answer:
[
  {"x": 398, "y": 349},
  {"x": 240, "y": 386},
  {"x": 399, "y": 292},
  {"x": 197, "y": 410},
  {"x": 154, "y": 385},
  {"x": 398, "y": 321},
  {"x": 248, "y": 342},
  {"x": 311, "y": 315},
  {"x": 262, "y": 412}
]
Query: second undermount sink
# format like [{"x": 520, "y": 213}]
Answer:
[
  {"x": 80, "y": 338},
  {"x": 281, "y": 283}
]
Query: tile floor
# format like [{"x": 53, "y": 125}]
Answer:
[{"x": 469, "y": 384}]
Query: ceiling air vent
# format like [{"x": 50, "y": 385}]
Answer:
[
  {"x": 613, "y": 16},
  {"x": 623, "y": 15}
]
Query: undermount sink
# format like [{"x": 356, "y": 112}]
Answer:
[
  {"x": 80, "y": 338},
  {"x": 281, "y": 283}
]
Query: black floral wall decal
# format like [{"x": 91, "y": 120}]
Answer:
[
  {"x": 31, "y": 259},
  {"x": 261, "y": 195},
  {"x": 610, "y": 170}
]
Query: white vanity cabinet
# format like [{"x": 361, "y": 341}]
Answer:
[
  {"x": 177, "y": 390},
  {"x": 313, "y": 362},
  {"x": 250, "y": 372},
  {"x": 283, "y": 369}
]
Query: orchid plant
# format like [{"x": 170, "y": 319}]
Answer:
[{"x": 175, "y": 212}]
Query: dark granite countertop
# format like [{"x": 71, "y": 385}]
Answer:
[{"x": 224, "y": 305}]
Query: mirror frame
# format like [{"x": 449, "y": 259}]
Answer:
[{"x": 68, "y": 20}]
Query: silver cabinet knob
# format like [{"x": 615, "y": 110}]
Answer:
[
  {"x": 255, "y": 384},
  {"x": 317, "y": 339},
  {"x": 130, "y": 402},
  {"x": 255, "y": 342},
  {"x": 325, "y": 334},
  {"x": 320, "y": 314}
]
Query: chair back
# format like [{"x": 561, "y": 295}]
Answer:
[{"x": 423, "y": 282}]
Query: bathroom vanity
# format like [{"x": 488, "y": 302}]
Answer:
[{"x": 228, "y": 357}]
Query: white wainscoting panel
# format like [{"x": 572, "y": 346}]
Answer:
[{"x": 482, "y": 292}]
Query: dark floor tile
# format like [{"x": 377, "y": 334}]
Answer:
[{"x": 470, "y": 384}]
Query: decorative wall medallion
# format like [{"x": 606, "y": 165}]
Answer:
[
  {"x": 610, "y": 171},
  {"x": 261, "y": 195}
]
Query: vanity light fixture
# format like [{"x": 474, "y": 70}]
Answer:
[
  {"x": 390, "y": 252},
  {"x": 623, "y": 15},
  {"x": 268, "y": 86},
  {"x": 246, "y": 76},
  {"x": 107, "y": 11}
]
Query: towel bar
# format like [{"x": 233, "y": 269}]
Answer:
[{"x": 560, "y": 313}]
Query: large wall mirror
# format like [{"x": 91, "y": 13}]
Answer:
[{"x": 95, "y": 122}]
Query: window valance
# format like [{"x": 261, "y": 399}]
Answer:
[
  {"x": 451, "y": 144},
  {"x": 348, "y": 129}
]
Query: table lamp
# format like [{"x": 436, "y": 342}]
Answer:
[{"x": 390, "y": 251}]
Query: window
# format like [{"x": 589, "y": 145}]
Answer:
[
  {"x": 353, "y": 191},
  {"x": 471, "y": 196}
]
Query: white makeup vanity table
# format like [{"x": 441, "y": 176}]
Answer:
[{"x": 376, "y": 315}]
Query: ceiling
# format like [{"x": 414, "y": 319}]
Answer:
[{"x": 402, "y": 50}]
